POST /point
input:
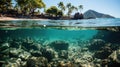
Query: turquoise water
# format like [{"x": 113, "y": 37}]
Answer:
[
  {"x": 50, "y": 34},
  {"x": 76, "y": 37},
  {"x": 52, "y": 30},
  {"x": 68, "y": 30}
]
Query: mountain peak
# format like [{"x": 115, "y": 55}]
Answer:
[
  {"x": 94, "y": 14},
  {"x": 90, "y": 10}
]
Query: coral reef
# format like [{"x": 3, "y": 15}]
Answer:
[{"x": 30, "y": 53}]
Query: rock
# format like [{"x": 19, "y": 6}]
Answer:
[
  {"x": 87, "y": 65},
  {"x": 87, "y": 56},
  {"x": 13, "y": 62},
  {"x": 59, "y": 54},
  {"x": 24, "y": 55},
  {"x": 36, "y": 53},
  {"x": 5, "y": 52},
  {"x": 14, "y": 52},
  {"x": 113, "y": 56},
  {"x": 4, "y": 46},
  {"x": 37, "y": 62},
  {"x": 65, "y": 64},
  {"x": 15, "y": 44},
  {"x": 114, "y": 59},
  {"x": 59, "y": 45},
  {"x": 28, "y": 46},
  {"x": 103, "y": 53},
  {"x": 48, "y": 53},
  {"x": 78, "y": 16},
  {"x": 84, "y": 58},
  {"x": 84, "y": 49},
  {"x": 96, "y": 44},
  {"x": 63, "y": 54},
  {"x": 1, "y": 63},
  {"x": 104, "y": 63}
]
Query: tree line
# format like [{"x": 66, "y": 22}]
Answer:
[{"x": 29, "y": 7}]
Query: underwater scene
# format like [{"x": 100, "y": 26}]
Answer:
[{"x": 60, "y": 43}]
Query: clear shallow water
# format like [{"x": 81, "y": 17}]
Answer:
[
  {"x": 50, "y": 34},
  {"x": 64, "y": 25},
  {"x": 51, "y": 30},
  {"x": 91, "y": 34}
]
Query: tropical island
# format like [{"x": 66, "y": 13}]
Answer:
[
  {"x": 59, "y": 33},
  {"x": 30, "y": 9}
]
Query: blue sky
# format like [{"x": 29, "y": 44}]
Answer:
[{"x": 111, "y": 7}]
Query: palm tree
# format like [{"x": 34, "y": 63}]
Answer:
[
  {"x": 69, "y": 8},
  {"x": 81, "y": 8},
  {"x": 68, "y": 5},
  {"x": 61, "y": 6},
  {"x": 74, "y": 8}
]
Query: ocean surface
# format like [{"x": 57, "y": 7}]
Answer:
[{"x": 90, "y": 34}]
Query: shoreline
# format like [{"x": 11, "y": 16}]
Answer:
[{"x": 12, "y": 18}]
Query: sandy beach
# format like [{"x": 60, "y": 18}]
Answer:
[{"x": 11, "y": 18}]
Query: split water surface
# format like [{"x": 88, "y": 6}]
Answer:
[{"x": 59, "y": 42}]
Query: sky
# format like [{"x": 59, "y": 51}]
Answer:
[{"x": 111, "y": 7}]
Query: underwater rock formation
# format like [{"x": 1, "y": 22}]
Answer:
[
  {"x": 104, "y": 52},
  {"x": 36, "y": 53},
  {"x": 37, "y": 62},
  {"x": 30, "y": 46},
  {"x": 114, "y": 58},
  {"x": 4, "y": 47},
  {"x": 4, "y": 51},
  {"x": 14, "y": 52},
  {"x": 48, "y": 53},
  {"x": 30, "y": 53},
  {"x": 59, "y": 45},
  {"x": 63, "y": 54},
  {"x": 96, "y": 44},
  {"x": 13, "y": 62}
]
